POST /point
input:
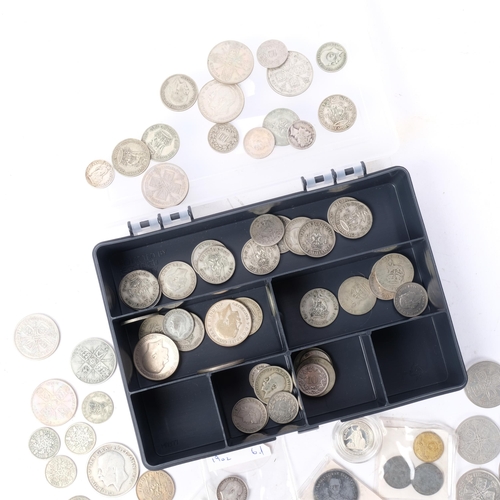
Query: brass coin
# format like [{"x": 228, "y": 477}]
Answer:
[{"x": 428, "y": 446}]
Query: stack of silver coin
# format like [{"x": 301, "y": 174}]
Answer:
[
  {"x": 350, "y": 217},
  {"x": 314, "y": 370},
  {"x": 213, "y": 262}
]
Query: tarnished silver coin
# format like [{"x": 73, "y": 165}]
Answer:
[
  {"x": 113, "y": 469},
  {"x": 410, "y": 299},
  {"x": 155, "y": 485},
  {"x": 255, "y": 312},
  {"x": 97, "y": 407},
  {"x": 397, "y": 472},
  {"x": 332, "y": 210},
  {"x": 179, "y": 92},
  {"x": 392, "y": 270},
  {"x": 37, "y": 336},
  {"x": 355, "y": 296},
  {"x": 195, "y": 254},
  {"x": 249, "y": 415},
  {"x": 80, "y": 438},
  {"x": 254, "y": 372},
  {"x": 216, "y": 264},
  {"x": 259, "y": 142},
  {"x": 293, "y": 77},
  {"x": 223, "y": 137},
  {"x": 219, "y": 102},
  {"x": 377, "y": 290},
  {"x": 272, "y": 53},
  {"x": 259, "y": 259},
  {"x": 331, "y": 57},
  {"x": 93, "y": 361},
  {"x": 228, "y": 322},
  {"x": 232, "y": 487},
  {"x": 54, "y": 402},
  {"x": 162, "y": 140},
  {"x": 324, "y": 363},
  {"x": 478, "y": 484},
  {"x": 131, "y": 157},
  {"x": 292, "y": 234},
  {"x": 177, "y": 280},
  {"x": 270, "y": 380},
  {"x": 312, "y": 379},
  {"x": 230, "y": 62},
  {"x": 478, "y": 439},
  {"x": 165, "y": 185},
  {"x": 335, "y": 483},
  {"x": 267, "y": 230},
  {"x": 316, "y": 238},
  {"x": 353, "y": 219},
  {"x": 156, "y": 356},
  {"x": 319, "y": 307},
  {"x": 195, "y": 339},
  {"x": 44, "y": 443},
  {"x": 428, "y": 479},
  {"x": 60, "y": 472},
  {"x": 301, "y": 134},
  {"x": 278, "y": 121},
  {"x": 178, "y": 324},
  {"x": 153, "y": 324},
  {"x": 100, "y": 174},
  {"x": 283, "y": 407},
  {"x": 483, "y": 385},
  {"x": 282, "y": 243},
  {"x": 139, "y": 289},
  {"x": 337, "y": 113}
]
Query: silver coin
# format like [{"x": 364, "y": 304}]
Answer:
[
  {"x": 267, "y": 230},
  {"x": 195, "y": 339},
  {"x": 112, "y": 469},
  {"x": 319, "y": 307},
  {"x": 259, "y": 142},
  {"x": 392, "y": 270},
  {"x": 37, "y": 336},
  {"x": 312, "y": 379},
  {"x": 478, "y": 484},
  {"x": 335, "y": 483},
  {"x": 301, "y": 134},
  {"x": 255, "y": 312},
  {"x": 331, "y": 57},
  {"x": 377, "y": 290},
  {"x": 223, "y": 137},
  {"x": 313, "y": 352},
  {"x": 292, "y": 234},
  {"x": 332, "y": 210},
  {"x": 282, "y": 243},
  {"x": 355, "y": 296},
  {"x": 316, "y": 238},
  {"x": 44, "y": 443},
  {"x": 60, "y": 472},
  {"x": 177, "y": 280},
  {"x": 232, "y": 487},
  {"x": 478, "y": 439},
  {"x": 293, "y": 77},
  {"x": 483, "y": 385},
  {"x": 179, "y": 92},
  {"x": 216, "y": 264},
  {"x": 356, "y": 439},
  {"x": 278, "y": 122},
  {"x": 337, "y": 113},
  {"x": 131, "y": 157},
  {"x": 165, "y": 185},
  {"x": 353, "y": 219},
  {"x": 155, "y": 485},
  {"x": 93, "y": 361},
  {"x": 162, "y": 140},
  {"x": 156, "y": 356},
  {"x": 410, "y": 299},
  {"x": 219, "y": 102},
  {"x": 272, "y": 53},
  {"x": 97, "y": 407},
  {"x": 283, "y": 407},
  {"x": 249, "y": 415},
  {"x": 153, "y": 324},
  {"x": 258, "y": 259},
  {"x": 80, "y": 438},
  {"x": 270, "y": 380},
  {"x": 254, "y": 372},
  {"x": 230, "y": 62},
  {"x": 317, "y": 361},
  {"x": 54, "y": 402},
  {"x": 228, "y": 322},
  {"x": 195, "y": 254},
  {"x": 100, "y": 174},
  {"x": 397, "y": 472},
  {"x": 178, "y": 324},
  {"x": 428, "y": 480},
  {"x": 139, "y": 289}
]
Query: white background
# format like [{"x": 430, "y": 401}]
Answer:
[{"x": 79, "y": 77}]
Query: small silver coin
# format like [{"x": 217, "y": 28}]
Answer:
[
  {"x": 355, "y": 296},
  {"x": 292, "y": 230},
  {"x": 177, "y": 280},
  {"x": 319, "y": 307},
  {"x": 353, "y": 219},
  {"x": 54, "y": 402},
  {"x": 249, "y": 415},
  {"x": 254, "y": 372},
  {"x": 397, "y": 472},
  {"x": 483, "y": 385},
  {"x": 428, "y": 480},
  {"x": 337, "y": 113},
  {"x": 259, "y": 142},
  {"x": 156, "y": 356},
  {"x": 223, "y": 137},
  {"x": 179, "y": 92},
  {"x": 316, "y": 238},
  {"x": 272, "y": 53},
  {"x": 165, "y": 185},
  {"x": 392, "y": 270},
  {"x": 219, "y": 102},
  {"x": 283, "y": 407},
  {"x": 131, "y": 157},
  {"x": 230, "y": 62},
  {"x": 478, "y": 484},
  {"x": 410, "y": 299},
  {"x": 258, "y": 259},
  {"x": 153, "y": 324},
  {"x": 155, "y": 485},
  {"x": 37, "y": 336},
  {"x": 335, "y": 483},
  {"x": 97, "y": 407},
  {"x": 278, "y": 122},
  {"x": 478, "y": 439},
  {"x": 331, "y": 57},
  {"x": 270, "y": 380},
  {"x": 312, "y": 379},
  {"x": 216, "y": 264},
  {"x": 267, "y": 230},
  {"x": 80, "y": 438},
  {"x": 316, "y": 361},
  {"x": 178, "y": 324},
  {"x": 301, "y": 134},
  {"x": 293, "y": 77},
  {"x": 139, "y": 289},
  {"x": 332, "y": 210},
  {"x": 44, "y": 443},
  {"x": 255, "y": 312},
  {"x": 100, "y": 174},
  {"x": 356, "y": 439},
  {"x": 232, "y": 487},
  {"x": 93, "y": 361},
  {"x": 60, "y": 472},
  {"x": 195, "y": 339}
]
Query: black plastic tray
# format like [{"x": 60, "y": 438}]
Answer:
[{"x": 382, "y": 360}]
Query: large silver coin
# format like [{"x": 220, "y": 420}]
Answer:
[
  {"x": 337, "y": 113},
  {"x": 37, "y": 336},
  {"x": 292, "y": 234},
  {"x": 478, "y": 439},
  {"x": 155, "y": 485},
  {"x": 332, "y": 210},
  {"x": 232, "y": 487},
  {"x": 60, "y": 472},
  {"x": 259, "y": 142},
  {"x": 392, "y": 270},
  {"x": 267, "y": 230},
  {"x": 319, "y": 307},
  {"x": 271, "y": 380},
  {"x": 428, "y": 480},
  {"x": 219, "y": 102},
  {"x": 195, "y": 339},
  {"x": 258, "y": 259},
  {"x": 397, "y": 472},
  {"x": 162, "y": 140},
  {"x": 355, "y": 296},
  {"x": 283, "y": 407},
  {"x": 223, "y": 137},
  {"x": 139, "y": 289},
  {"x": 335, "y": 483},
  {"x": 44, "y": 443},
  {"x": 156, "y": 356},
  {"x": 216, "y": 264},
  {"x": 179, "y": 92},
  {"x": 165, "y": 185},
  {"x": 178, "y": 324},
  {"x": 131, "y": 157},
  {"x": 483, "y": 386},
  {"x": 410, "y": 299},
  {"x": 54, "y": 402},
  {"x": 97, "y": 407},
  {"x": 478, "y": 484},
  {"x": 301, "y": 134},
  {"x": 80, "y": 438},
  {"x": 100, "y": 174},
  {"x": 353, "y": 219},
  {"x": 331, "y": 57},
  {"x": 293, "y": 77},
  {"x": 113, "y": 469},
  {"x": 230, "y": 62},
  {"x": 278, "y": 122},
  {"x": 177, "y": 280},
  {"x": 228, "y": 322},
  {"x": 255, "y": 312},
  {"x": 272, "y": 53},
  {"x": 93, "y": 361},
  {"x": 316, "y": 238},
  {"x": 153, "y": 324},
  {"x": 249, "y": 415}
]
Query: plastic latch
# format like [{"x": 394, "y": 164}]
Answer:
[
  {"x": 318, "y": 181},
  {"x": 352, "y": 172},
  {"x": 167, "y": 219},
  {"x": 143, "y": 226}
]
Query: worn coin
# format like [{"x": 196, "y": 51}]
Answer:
[
  {"x": 195, "y": 254},
  {"x": 232, "y": 487},
  {"x": 254, "y": 372},
  {"x": 112, "y": 469},
  {"x": 216, "y": 264},
  {"x": 353, "y": 219},
  {"x": 131, "y": 157},
  {"x": 293, "y": 77},
  {"x": 331, "y": 56},
  {"x": 139, "y": 289},
  {"x": 156, "y": 356},
  {"x": 37, "y": 336},
  {"x": 177, "y": 280},
  {"x": 220, "y": 103},
  {"x": 332, "y": 210},
  {"x": 397, "y": 472},
  {"x": 100, "y": 174},
  {"x": 292, "y": 234},
  {"x": 97, "y": 407},
  {"x": 178, "y": 324},
  {"x": 483, "y": 386},
  {"x": 165, "y": 185},
  {"x": 155, "y": 485},
  {"x": 337, "y": 113},
  {"x": 282, "y": 407},
  {"x": 270, "y": 380},
  {"x": 428, "y": 446},
  {"x": 228, "y": 322},
  {"x": 301, "y": 134},
  {"x": 355, "y": 296},
  {"x": 324, "y": 363},
  {"x": 230, "y": 62},
  {"x": 267, "y": 230},
  {"x": 478, "y": 439},
  {"x": 259, "y": 259},
  {"x": 478, "y": 484},
  {"x": 153, "y": 324},
  {"x": 392, "y": 270},
  {"x": 410, "y": 299},
  {"x": 316, "y": 238},
  {"x": 377, "y": 290},
  {"x": 44, "y": 443},
  {"x": 278, "y": 121},
  {"x": 80, "y": 438},
  {"x": 272, "y": 53},
  {"x": 54, "y": 402},
  {"x": 179, "y": 92},
  {"x": 195, "y": 339},
  {"x": 259, "y": 142},
  {"x": 313, "y": 352},
  {"x": 319, "y": 307},
  {"x": 312, "y": 379},
  {"x": 93, "y": 361},
  {"x": 223, "y": 137},
  {"x": 255, "y": 312},
  {"x": 249, "y": 415},
  {"x": 335, "y": 483},
  {"x": 162, "y": 140},
  {"x": 428, "y": 480},
  {"x": 60, "y": 471}
]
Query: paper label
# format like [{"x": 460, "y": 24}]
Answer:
[{"x": 238, "y": 457}]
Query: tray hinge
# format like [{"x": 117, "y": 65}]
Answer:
[
  {"x": 351, "y": 172},
  {"x": 318, "y": 181},
  {"x": 182, "y": 216},
  {"x": 160, "y": 221}
]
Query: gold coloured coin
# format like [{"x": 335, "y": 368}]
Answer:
[{"x": 428, "y": 446}]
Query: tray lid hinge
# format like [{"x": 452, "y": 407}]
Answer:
[
  {"x": 333, "y": 177},
  {"x": 162, "y": 220},
  {"x": 350, "y": 172}
]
